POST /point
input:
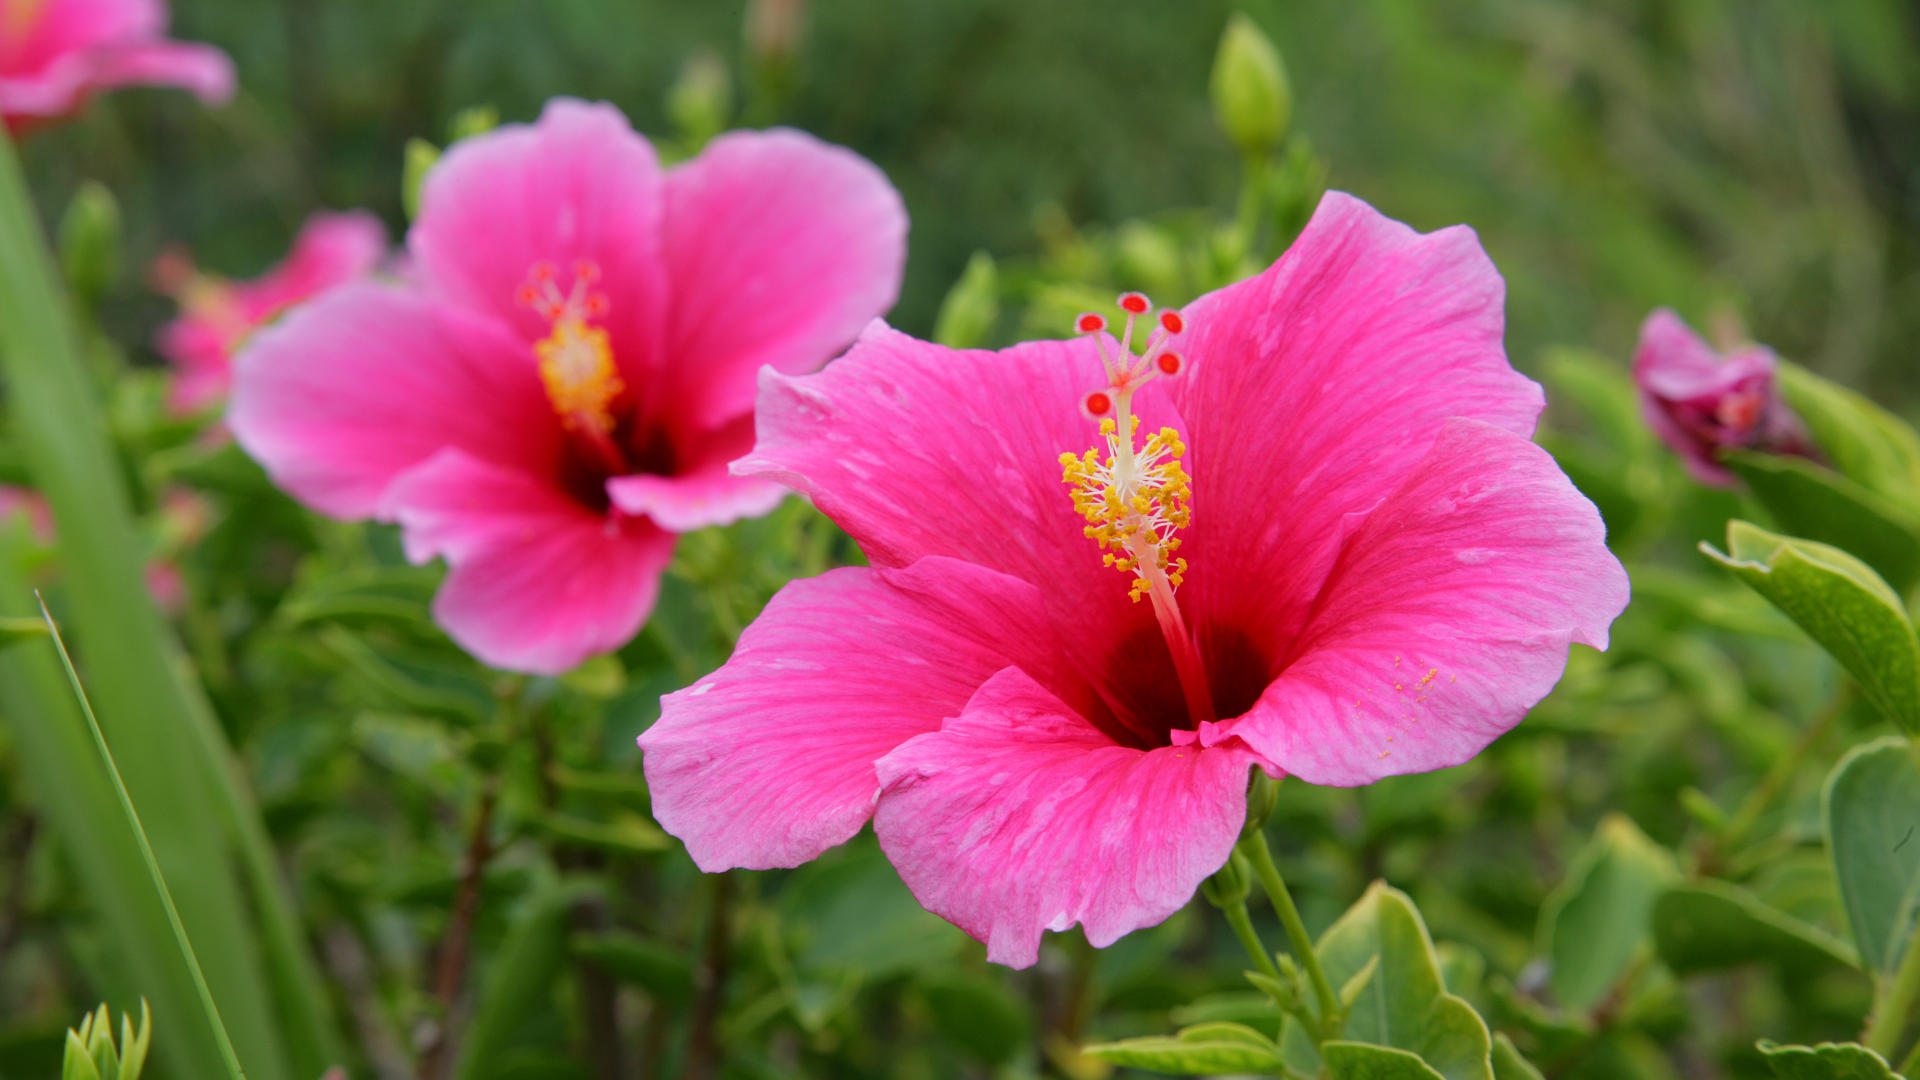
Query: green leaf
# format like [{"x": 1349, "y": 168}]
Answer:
[
  {"x": 1872, "y": 810},
  {"x": 177, "y": 765},
  {"x": 621, "y": 832},
  {"x": 972, "y": 306},
  {"x": 1842, "y": 604},
  {"x": 518, "y": 979},
  {"x": 1820, "y": 504},
  {"x": 77, "y": 1066},
  {"x": 1404, "y": 1005},
  {"x": 1592, "y": 926},
  {"x": 1508, "y": 1064},
  {"x": 1180, "y": 1057},
  {"x": 1864, "y": 441},
  {"x": 1827, "y": 1061},
  {"x": 979, "y": 1015},
  {"x": 630, "y": 958},
  {"x": 1712, "y": 926},
  {"x": 1362, "y": 1061}
]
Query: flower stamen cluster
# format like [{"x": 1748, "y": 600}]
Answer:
[
  {"x": 576, "y": 359},
  {"x": 1137, "y": 516}
]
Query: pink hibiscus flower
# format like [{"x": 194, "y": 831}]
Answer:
[
  {"x": 216, "y": 315},
  {"x": 54, "y": 54},
  {"x": 1049, "y": 715},
  {"x": 1701, "y": 403},
  {"x": 562, "y": 388}
]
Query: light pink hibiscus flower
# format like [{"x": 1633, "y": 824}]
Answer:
[
  {"x": 217, "y": 315},
  {"x": 1701, "y": 403},
  {"x": 1377, "y": 573},
  {"x": 561, "y": 389},
  {"x": 54, "y": 54}
]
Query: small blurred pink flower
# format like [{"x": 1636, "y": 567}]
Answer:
[
  {"x": 183, "y": 517},
  {"x": 217, "y": 316},
  {"x": 27, "y": 504},
  {"x": 54, "y": 54},
  {"x": 557, "y": 390},
  {"x": 1377, "y": 573},
  {"x": 1700, "y": 402}
]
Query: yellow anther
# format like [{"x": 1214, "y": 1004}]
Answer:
[
  {"x": 576, "y": 364},
  {"x": 1132, "y": 501}
]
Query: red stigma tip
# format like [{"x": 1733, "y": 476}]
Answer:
[
  {"x": 1134, "y": 303},
  {"x": 1098, "y": 404},
  {"x": 543, "y": 271},
  {"x": 1170, "y": 363},
  {"x": 1090, "y": 323},
  {"x": 1172, "y": 321},
  {"x": 597, "y": 304},
  {"x": 586, "y": 270},
  {"x": 528, "y": 295}
]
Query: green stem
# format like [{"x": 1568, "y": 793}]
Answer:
[
  {"x": 1242, "y": 924},
  {"x": 231, "y": 1059},
  {"x": 1784, "y": 769},
  {"x": 1255, "y": 845},
  {"x": 1898, "y": 1007},
  {"x": 1253, "y": 201}
]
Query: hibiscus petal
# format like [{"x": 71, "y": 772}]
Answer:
[
  {"x": 1018, "y": 816},
  {"x": 332, "y": 248},
  {"x": 921, "y": 450},
  {"x": 703, "y": 493},
  {"x": 769, "y": 761},
  {"x": 1314, "y": 386},
  {"x": 64, "y": 84},
  {"x": 1446, "y": 615},
  {"x": 579, "y": 184},
  {"x": 536, "y": 582},
  {"x": 780, "y": 249},
  {"x": 347, "y": 392}
]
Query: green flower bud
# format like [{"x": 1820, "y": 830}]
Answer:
[
  {"x": 472, "y": 120},
  {"x": 421, "y": 157},
  {"x": 1229, "y": 885},
  {"x": 700, "y": 102},
  {"x": 972, "y": 306},
  {"x": 1262, "y": 793},
  {"x": 90, "y": 242},
  {"x": 1251, "y": 98}
]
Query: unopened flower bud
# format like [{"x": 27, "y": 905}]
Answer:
[
  {"x": 472, "y": 120},
  {"x": 1229, "y": 886},
  {"x": 90, "y": 242},
  {"x": 1262, "y": 793},
  {"x": 1251, "y": 97},
  {"x": 700, "y": 102},
  {"x": 421, "y": 157}
]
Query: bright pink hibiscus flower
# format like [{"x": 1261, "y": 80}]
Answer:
[
  {"x": 1701, "y": 403},
  {"x": 562, "y": 389},
  {"x": 1378, "y": 573},
  {"x": 54, "y": 54},
  {"x": 216, "y": 315}
]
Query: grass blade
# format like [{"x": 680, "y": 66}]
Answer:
[
  {"x": 174, "y": 758},
  {"x": 131, "y": 820}
]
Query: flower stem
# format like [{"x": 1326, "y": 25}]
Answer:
[
  {"x": 1242, "y": 924},
  {"x": 1898, "y": 1007},
  {"x": 1785, "y": 767},
  {"x": 1255, "y": 846}
]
